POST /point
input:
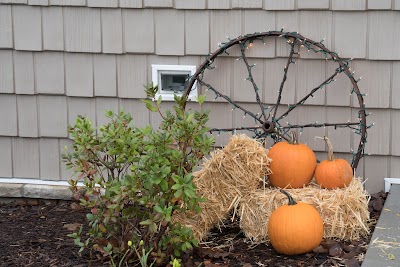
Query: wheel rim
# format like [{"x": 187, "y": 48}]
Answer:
[{"x": 269, "y": 125}]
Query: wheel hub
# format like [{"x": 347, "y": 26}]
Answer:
[{"x": 268, "y": 127}]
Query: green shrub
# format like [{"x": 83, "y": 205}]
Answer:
[{"x": 135, "y": 179}]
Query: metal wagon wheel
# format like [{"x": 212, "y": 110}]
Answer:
[{"x": 268, "y": 120}]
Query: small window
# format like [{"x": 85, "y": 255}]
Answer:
[{"x": 173, "y": 80}]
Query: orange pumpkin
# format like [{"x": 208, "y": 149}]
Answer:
[
  {"x": 295, "y": 228},
  {"x": 292, "y": 165},
  {"x": 333, "y": 173}
]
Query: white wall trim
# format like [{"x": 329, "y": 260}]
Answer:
[{"x": 389, "y": 182}]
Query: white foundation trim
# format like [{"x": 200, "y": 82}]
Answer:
[{"x": 34, "y": 181}]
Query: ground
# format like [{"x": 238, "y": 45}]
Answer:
[{"x": 33, "y": 233}]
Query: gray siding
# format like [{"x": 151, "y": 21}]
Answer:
[
  {"x": 102, "y": 3},
  {"x": 27, "y": 116},
  {"x": 140, "y": 114},
  {"x": 138, "y": 24},
  {"x": 82, "y": 29},
  {"x": 255, "y": 21},
  {"x": 131, "y": 71},
  {"x": 81, "y": 106},
  {"x": 23, "y": 73},
  {"x": 355, "y": 35},
  {"x": 105, "y": 75},
  {"x": 6, "y": 38},
  {"x": 49, "y": 159},
  {"x": 104, "y": 104},
  {"x": 279, "y": 4},
  {"x": 197, "y": 38},
  {"x": 169, "y": 23},
  {"x": 27, "y": 23},
  {"x": 6, "y": 71},
  {"x": 313, "y": 4},
  {"x": 219, "y": 4},
  {"x": 79, "y": 74},
  {"x": 25, "y": 156},
  {"x": 53, "y": 28},
  {"x": 190, "y": 4},
  {"x": 6, "y": 169},
  {"x": 8, "y": 115},
  {"x": 383, "y": 33},
  {"x": 52, "y": 116},
  {"x": 38, "y": 2},
  {"x": 64, "y": 58},
  {"x": 50, "y": 72},
  {"x": 349, "y": 5},
  {"x": 111, "y": 30}
]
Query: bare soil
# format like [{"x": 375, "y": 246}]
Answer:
[{"x": 34, "y": 233}]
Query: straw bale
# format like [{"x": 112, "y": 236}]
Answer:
[
  {"x": 344, "y": 211},
  {"x": 229, "y": 173}
]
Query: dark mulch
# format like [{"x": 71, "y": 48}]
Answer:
[{"x": 33, "y": 233}]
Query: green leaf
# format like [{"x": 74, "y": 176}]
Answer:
[
  {"x": 188, "y": 245},
  {"x": 391, "y": 256},
  {"x": 112, "y": 206},
  {"x": 108, "y": 248},
  {"x": 178, "y": 193},
  {"x": 189, "y": 192},
  {"x": 176, "y": 186},
  {"x": 151, "y": 107},
  {"x": 164, "y": 185},
  {"x": 200, "y": 99},
  {"x": 108, "y": 113},
  {"x": 153, "y": 228},
  {"x": 190, "y": 117},
  {"x": 158, "y": 209},
  {"x": 168, "y": 217},
  {"x": 73, "y": 235},
  {"x": 176, "y": 178},
  {"x": 78, "y": 242},
  {"x": 177, "y": 252},
  {"x": 146, "y": 222}
]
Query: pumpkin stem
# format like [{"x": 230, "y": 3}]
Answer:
[
  {"x": 331, "y": 157},
  {"x": 291, "y": 200},
  {"x": 293, "y": 138}
]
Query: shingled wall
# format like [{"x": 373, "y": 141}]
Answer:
[{"x": 61, "y": 58}]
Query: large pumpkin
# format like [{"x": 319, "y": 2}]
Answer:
[
  {"x": 295, "y": 228},
  {"x": 333, "y": 173},
  {"x": 292, "y": 165}
]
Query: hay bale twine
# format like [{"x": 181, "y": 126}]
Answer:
[
  {"x": 230, "y": 173},
  {"x": 344, "y": 211}
]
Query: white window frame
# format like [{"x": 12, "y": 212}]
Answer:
[{"x": 157, "y": 70}]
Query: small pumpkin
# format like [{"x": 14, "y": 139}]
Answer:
[
  {"x": 292, "y": 165},
  {"x": 295, "y": 228},
  {"x": 333, "y": 173}
]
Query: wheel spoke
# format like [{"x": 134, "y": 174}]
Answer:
[
  {"x": 290, "y": 61},
  {"x": 234, "y": 105},
  {"x": 258, "y": 132},
  {"x": 251, "y": 128},
  {"x": 255, "y": 130},
  {"x": 319, "y": 125},
  {"x": 311, "y": 94},
  {"x": 251, "y": 79}
]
